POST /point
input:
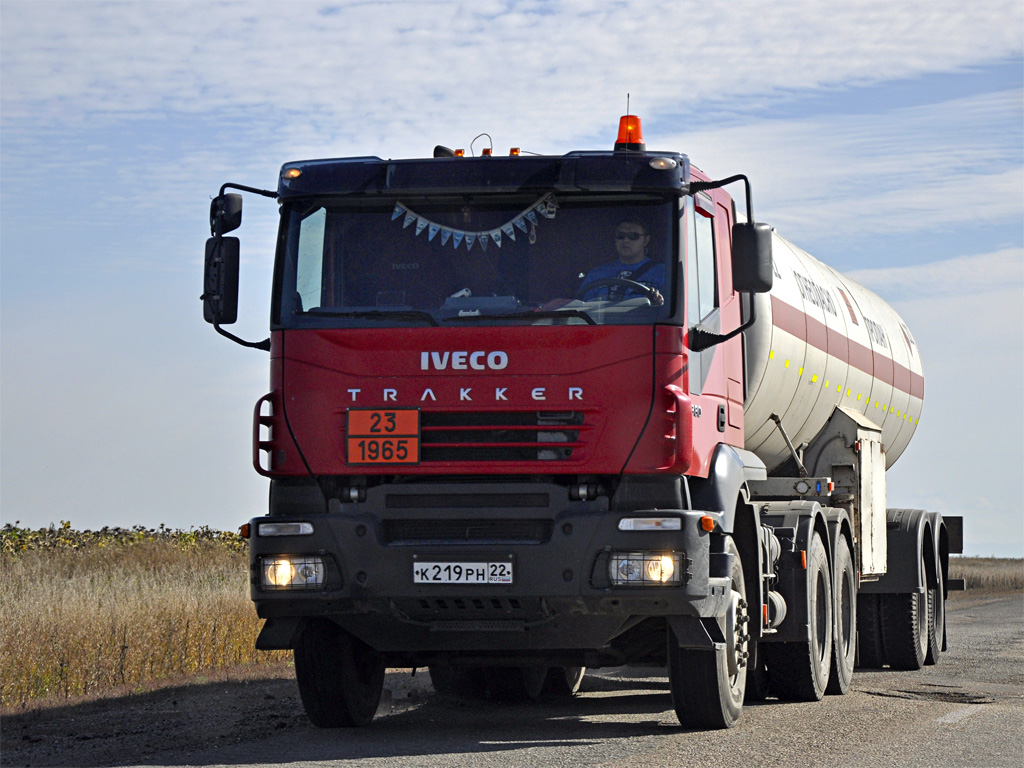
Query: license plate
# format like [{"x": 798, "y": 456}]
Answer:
[
  {"x": 462, "y": 573},
  {"x": 383, "y": 436}
]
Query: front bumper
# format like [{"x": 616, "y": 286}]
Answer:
[{"x": 561, "y": 596}]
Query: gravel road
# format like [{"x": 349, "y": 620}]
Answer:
[{"x": 967, "y": 711}]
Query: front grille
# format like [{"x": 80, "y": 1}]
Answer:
[
  {"x": 477, "y": 531},
  {"x": 501, "y": 436}
]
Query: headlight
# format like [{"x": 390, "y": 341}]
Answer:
[
  {"x": 291, "y": 572},
  {"x": 641, "y": 569}
]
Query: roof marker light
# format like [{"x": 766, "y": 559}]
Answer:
[{"x": 292, "y": 173}]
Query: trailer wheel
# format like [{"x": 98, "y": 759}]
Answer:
[
  {"x": 870, "y": 651},
  {"x": 800, "y": 671},
  {"x": 844, "y": 626},
  {"x": 937, "y": 623},
  {"x": 563, "y": 682},
  {"x": 516, "y": 684},
  {"x": 708, "y": 686},
  {"x": 463, "y": 682},
  {"x": 905, "y": 624},
  {"x": 340, "y": 678}
]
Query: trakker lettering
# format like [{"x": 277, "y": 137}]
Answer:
[
  {"x": 390, "y": 395},
  {"x": 463, "y": 361}
]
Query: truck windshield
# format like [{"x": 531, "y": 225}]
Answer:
[{"x": 525, "y": 260}]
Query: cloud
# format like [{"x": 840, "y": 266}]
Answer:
[
  {"x": 397, "y": 65},
  {"x": 961, "y": 276},
  {"x": 898, "y": 170}
]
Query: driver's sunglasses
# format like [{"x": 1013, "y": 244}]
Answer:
[{"x": 629, "y": 235}]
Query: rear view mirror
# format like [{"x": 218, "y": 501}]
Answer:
[
  {"x": 751, "y": 257},
  {"x": 220, "y": 279},
  {"x": 225, "y": 214}
]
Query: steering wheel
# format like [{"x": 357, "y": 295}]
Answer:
[{"x": 653, "y": 294}]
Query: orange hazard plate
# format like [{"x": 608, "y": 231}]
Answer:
[{"x": 383, "y": 436}]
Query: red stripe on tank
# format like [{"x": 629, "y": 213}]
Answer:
[{"x": 815, "y": 333}]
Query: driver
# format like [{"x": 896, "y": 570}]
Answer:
[{"x": 633, "y": 263}]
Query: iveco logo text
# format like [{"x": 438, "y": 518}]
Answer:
[{"x": 463, "y": 361}]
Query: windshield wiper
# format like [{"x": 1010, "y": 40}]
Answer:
[
  {"x": 544, "y": 313},
  {"x": 373, "y": 314}
]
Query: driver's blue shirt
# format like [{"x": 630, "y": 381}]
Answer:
[{"x": 650, "y": 273}]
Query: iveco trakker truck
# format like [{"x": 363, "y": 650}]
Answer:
[{"x": 533, "y": 414}]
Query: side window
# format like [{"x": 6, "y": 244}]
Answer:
[
  {"x": 309, "y": 269},
  {"x": 702, "y": 280}
]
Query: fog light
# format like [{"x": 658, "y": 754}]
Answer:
[
  {"x": 644, "y": 568},
  {"x": 291, "y": 572}
]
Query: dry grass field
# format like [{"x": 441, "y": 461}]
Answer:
[
  {"x": 988, "y": 574},
  {"x": 86, "y": 614}
]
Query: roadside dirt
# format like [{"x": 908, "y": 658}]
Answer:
[{"x": 157, "y": 726}]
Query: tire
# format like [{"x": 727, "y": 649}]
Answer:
[
  {"x": 516, "y": 684},
  {"x": 844, "y": 621},
  {"x": 937, "y": 623},
  {"x": 462, "y": 682},
  {"x": 340, "y": 678},
  {"x": 905, "y": 629},
  {"x": 870, "y": 651},
  {"x": 708, "y": 686},
  {"x": 563, "y": 682},
  {"x": 800, "y": 671}
]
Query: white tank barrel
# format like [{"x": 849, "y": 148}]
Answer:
[{"x": 821, "y": 341}]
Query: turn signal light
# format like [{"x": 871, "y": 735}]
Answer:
[{"x": 707, "y": 523}]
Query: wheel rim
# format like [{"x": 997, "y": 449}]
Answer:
[{"x": 736, "y": 622}]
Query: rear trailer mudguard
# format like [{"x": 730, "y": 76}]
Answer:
[
  {"x": 561, "y": 596},
  {"x": 918, "y": 545}
]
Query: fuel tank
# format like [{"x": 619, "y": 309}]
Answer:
[{"x": 820, "y": 341}]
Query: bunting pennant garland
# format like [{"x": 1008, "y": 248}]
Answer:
[{"x": 526, "y": 221}]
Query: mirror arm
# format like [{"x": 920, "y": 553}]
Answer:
[
  {"x": 243, "y": 188},
  {"x": 700, "y": 186},
  {"x": 701, "y": 338},
  {"x": 264, "y": 345}
]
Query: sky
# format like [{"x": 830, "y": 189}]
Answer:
[{"x": 886, "y": 139}]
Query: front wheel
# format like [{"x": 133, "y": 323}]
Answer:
[
  {"x": 708, "y": 686},
  {"x": 340, "y": 678}
]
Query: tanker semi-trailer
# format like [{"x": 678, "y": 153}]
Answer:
[{"x": 533, "y": 414}]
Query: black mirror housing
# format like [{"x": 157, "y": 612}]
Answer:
[
  {"x": 225, "y": 213},
  {"x": 220, "y": 280},
  {"x": 752, "y": 257}
]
